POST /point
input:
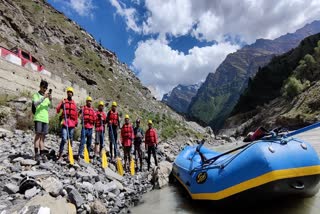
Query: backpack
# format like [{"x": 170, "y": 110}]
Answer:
[{"x": 33, "y": 108}]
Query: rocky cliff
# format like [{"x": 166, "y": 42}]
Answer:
[
  {"x": 221, "y": 90},
  {"x": 70, "y": 52},
  {"x": 285, "y": 92},
  {"x": 180, "y": 97}
]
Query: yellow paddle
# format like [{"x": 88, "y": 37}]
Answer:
[
  {"x": 119, "y": 162},
  {"x": 86, "y": 155},
  {"x": 132, "y": 166},
  {"x": 104, "y": 159},
  {"x": 119, "y": 166},
  {"x": 71, "y": 160}
]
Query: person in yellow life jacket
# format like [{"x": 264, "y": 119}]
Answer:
[
  {"x": 127, "y": 136},
  {"x": 67, "y": 109},
  {"x": 88, "y": 118},
  {"x": 101, "y": 120},
  {"x": 113, "y": 122},
  {"x": 41, "y": 101},
  {"x": 151, "y": 141}
]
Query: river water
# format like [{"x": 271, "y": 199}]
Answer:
[{"x": 173, "y": 199}]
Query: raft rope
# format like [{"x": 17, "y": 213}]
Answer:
[{"x": 274, "y": 138}]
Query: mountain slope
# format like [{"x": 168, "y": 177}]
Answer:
[
  {"x": 69, "y": 52},
  {"x": 218, "y": 95},
  {"x": 269, "y": 102},
  {"x": 180, "y": 97}
]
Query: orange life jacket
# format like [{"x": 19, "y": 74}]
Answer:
[
  {"x": 127, "y": 134},
  {"x": 113, "y": 118},
  {"x": 71, "y": 113},
  {"x": 71, "y": 110},
  {"x": 127, "y": 131},
  {"x": 151, "y": 137},
  {"x": 88, "y": 115},
  {"x": 98, "y": 120}
]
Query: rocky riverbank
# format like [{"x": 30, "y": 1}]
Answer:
[{"x": 81, "y": 188}]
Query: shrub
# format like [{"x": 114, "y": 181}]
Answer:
[
  {"x": 25, "y": 122},
  {"x": 292, "y": 87},
  {"x": 54, "y": 125}
]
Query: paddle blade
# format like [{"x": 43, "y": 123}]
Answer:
[
  {"x": 104, "y": 159},
  {"x": 119, "y": 166},
  {"x": 71, "y": 160},
  {"x": 86, "y": 155},
  {"x": 132, "y": 166}
]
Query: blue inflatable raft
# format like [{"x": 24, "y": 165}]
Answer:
[{"x": 273, "y": 166}]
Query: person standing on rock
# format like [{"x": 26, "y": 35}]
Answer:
[
  {"x": 88, "y": 118},
  {"x": 41, "y": 101},
  {"x": 138, "y": 138},
  {"x": 151, "y": 141},
  {"x": 101, "y": 120},
  {"x": 127, "y": 136},
  {"x": 113, "y": 125},
  {"x": 67, "y": 108}
]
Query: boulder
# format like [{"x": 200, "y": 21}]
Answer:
[
  {"x": 36, "y": 174},
  {"x": 52, "y": 186},
  {"x": 160, "y": 174},
  {"x": 99, "y": 187},
  {"x": 56, "y": 206},
  {"x": 112, "y": 175},
  {"x": 75, "y": 198},
  {"x": 11, "y": 188},
  {"x": 28, "y": 162},
  {"x": 209, "y": 130},
  {"x": 97, "y": 207},
  {"x": 5, "y": 133},
  {"x": 31, "y": 192}
]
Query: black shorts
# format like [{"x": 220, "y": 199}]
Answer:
[{"x": 41, "y": 128}]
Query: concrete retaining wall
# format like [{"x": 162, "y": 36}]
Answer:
[{"x": 15, "y": 79}]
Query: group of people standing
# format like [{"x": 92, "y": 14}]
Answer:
[{"x": 91, "y": 119}]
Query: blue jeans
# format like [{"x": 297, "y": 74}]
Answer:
[
  {"x": 86, "y": 135},
  {"x": 64, "y": 137},
  {"x": 113, "y": 137},
  {"x": 99, "y": 139}
]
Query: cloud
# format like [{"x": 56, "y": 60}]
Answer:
[
  {"x": 213, "y": 20},
  {"x": 163, "y": 68},
  {"x": 169, "y": 17},
  {"x": 81, "y": 7},
  {"x": 226, "y": 22},
  {"x": 129, "y": 14}
]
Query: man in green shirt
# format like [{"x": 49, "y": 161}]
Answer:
[{"x": 41, "y": 101}]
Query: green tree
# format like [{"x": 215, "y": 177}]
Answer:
[{"x": 292, "y": 87}]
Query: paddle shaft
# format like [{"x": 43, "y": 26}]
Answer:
[
  {"x": 102, "y": 132},
  {"x": 66, "y": 119},
  {"x": 227, "y": 152}
]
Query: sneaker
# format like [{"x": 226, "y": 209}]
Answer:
[
  {"x": 44, "y": 158},
  {"x": 37, "y": 157}
]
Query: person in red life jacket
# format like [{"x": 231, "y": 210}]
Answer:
[
  {"x": 72, "y": 119},
  {"x": 138, "y": 139},
  {"x": 88, "y": 118},
  {"x": 113, "y": 122},
  {"x": 151, "y": 141},
  {"x": 127, "y": 136},
  {"x": 101, "y": 120}
]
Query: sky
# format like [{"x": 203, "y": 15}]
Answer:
[{"x": 171, "y": 42}]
